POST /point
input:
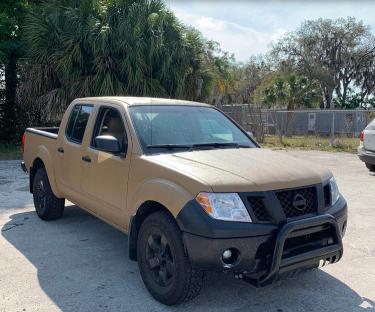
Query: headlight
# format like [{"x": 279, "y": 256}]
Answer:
[
  {"x": 224, "y": 206},
  {"x": 335, "y": 194}
]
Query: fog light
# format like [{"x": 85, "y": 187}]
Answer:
[
  {"x": 227, "y": 254},
  {"x": 230, "y": 257}
]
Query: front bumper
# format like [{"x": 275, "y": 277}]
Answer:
[
  {"x": 266, "y": 251},
  {"x": 366, "y": 156}
]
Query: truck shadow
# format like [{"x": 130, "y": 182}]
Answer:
[{"x": 82, "y": 265}]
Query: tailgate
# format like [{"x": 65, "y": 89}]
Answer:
[
  {"x": 369, "y": 140},
  {"x": 36, "y": 140},
  {"x": 369, "y": 137}
]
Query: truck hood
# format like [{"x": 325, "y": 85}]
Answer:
[{"x": 244, "y": 169}]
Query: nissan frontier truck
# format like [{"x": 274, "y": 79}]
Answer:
[{"x": 190, "y": 188}]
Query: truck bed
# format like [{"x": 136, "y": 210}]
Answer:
[
  {"x": 50, "y": 132},
  {"x": 40, "y": 143}
]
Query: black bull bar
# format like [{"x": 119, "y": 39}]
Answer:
[{"x": 279, "y": 265}]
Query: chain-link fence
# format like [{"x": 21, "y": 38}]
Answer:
[{"x": 322, "y": 123}]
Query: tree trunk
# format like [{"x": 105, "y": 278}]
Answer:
[
  {"x": 331, "y": 103},
  {"x": 9, "y": 106},
  {"x": 289, "y": 117},
  {"x": 278, "y": 126},
  {"x": 327, "y": 98},
  {"x": 255, "y": 119}
]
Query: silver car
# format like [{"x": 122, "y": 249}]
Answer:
[{"x": 366, "y": 149}]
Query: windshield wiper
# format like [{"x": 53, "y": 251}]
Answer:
[
  {"x": 197, "y": 145},
  {"x": 170, "y": 146},
  {"x": 218, "y": 144}
]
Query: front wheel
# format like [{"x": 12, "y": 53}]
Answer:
[
  {"x": 47, "y": 205},
  {"x": 370, "y": 167},
  {"x": 163, "y": 262}
]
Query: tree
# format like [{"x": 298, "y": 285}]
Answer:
[
  {"x": 12, "y": 13},
  {"x": 329, "y": 51},
  {"x": 290, "y": 91},
  {"x": 240, "y": 80},
  {"x": 118, "y": 47},
  {"x": 211, "y": 68},
  {"x": 365, "y": 75},
  {"x": 356, "y": 100}
]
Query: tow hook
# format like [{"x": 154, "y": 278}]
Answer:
[{"x": 238, "y": 275}]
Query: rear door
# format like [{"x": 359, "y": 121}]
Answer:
[
  {"x": 369, "y": 137},
  {"x": 70, "y": 150},
  {"x": 105, "y": 175}
]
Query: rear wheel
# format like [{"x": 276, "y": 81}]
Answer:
[
  {"x": 47, "y": 205},
  {"x": 370, "y": 167},
  {"x": 163, "y": 262}
]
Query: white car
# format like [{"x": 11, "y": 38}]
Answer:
[{"x": 366, "y": 148}]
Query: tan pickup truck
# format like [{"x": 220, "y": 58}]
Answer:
[{"x": 191, "y": 188}]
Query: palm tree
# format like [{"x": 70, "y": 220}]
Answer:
[
  {"x": 119, "y": 47},
  {"x": 287, "y": 90}
]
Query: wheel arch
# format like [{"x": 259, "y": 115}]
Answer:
[
  {"x": 43, "y": 159},
  {"x": 162, "y": 194},
  {"x": 37, "y": 164},
  {"x": 147, "y": 208}
]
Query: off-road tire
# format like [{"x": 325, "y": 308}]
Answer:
[
  {"x": 47, "y": 205},
  {"x": 185, "y": 283},
  {"x": 370, "y": 167}
]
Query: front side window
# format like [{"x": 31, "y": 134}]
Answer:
[
  {"x": 78, "y": 119},
  {"x": 164, "y": 128},
  {"x": 109, "y": 122}
]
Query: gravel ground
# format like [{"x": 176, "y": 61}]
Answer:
[{"x": 79, "y": 263}]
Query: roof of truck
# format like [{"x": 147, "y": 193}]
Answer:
[{"x": 131, "y": 100}]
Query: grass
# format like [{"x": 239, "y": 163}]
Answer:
[
  {"x": 342, "y": 144},
  {"x": 9, "y": 151}
]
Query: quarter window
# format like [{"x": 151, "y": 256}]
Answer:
[{"x": 77, "y": 122}]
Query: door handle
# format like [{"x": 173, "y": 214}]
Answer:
[
  {"x": 60, "y": 150},
  {"x": 86, "y": 158}
]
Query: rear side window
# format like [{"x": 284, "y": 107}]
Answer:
[
  {"x": 72, "y": 120},
  {"x": 78, "y": 119},
  {"x": 371, "y": 125}
]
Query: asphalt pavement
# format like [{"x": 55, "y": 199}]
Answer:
[{"x": 79, "y": 263}]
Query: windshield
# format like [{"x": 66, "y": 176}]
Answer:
[{"x": 165, "y": 128}]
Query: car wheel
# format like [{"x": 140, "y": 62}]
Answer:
[
  {"x": 163, "y": 262},
  {"x": 370, "y": 167},
  {"x": 47, "y": 205}
]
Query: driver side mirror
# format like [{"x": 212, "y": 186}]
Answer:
[{"x": 107, "y": 143}]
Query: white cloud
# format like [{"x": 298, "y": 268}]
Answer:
[
  {"x": 246, "y": 28},
  {"x": 235, "y": 38}
]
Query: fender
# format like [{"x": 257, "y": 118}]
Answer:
[
  {"x": 165, "y": 192},
  {"x": 45, "y": 156},
  {"x": 161, "y": 191}
]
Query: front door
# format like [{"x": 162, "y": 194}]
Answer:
[{"x": 105, "y": 175}]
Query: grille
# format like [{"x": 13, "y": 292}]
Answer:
[
  {"x": 327, "y": 195},
  {"x": 286, "y": 200},
  {"x": 258, "y": 207}
]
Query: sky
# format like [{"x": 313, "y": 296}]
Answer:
[{"x": 248, "y": 28}]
